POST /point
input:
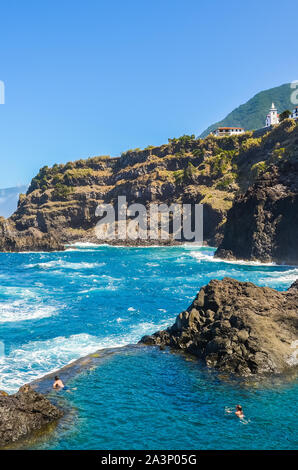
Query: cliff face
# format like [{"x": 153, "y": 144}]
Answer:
[
  {"x": 263, "y": 222},
  {"x": 237, "y": 327},
  {"x": 23, "y": 413},
  {"x": 60, "y": 204}
]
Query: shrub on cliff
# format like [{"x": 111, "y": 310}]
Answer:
[{"x": 62, "y": 191}]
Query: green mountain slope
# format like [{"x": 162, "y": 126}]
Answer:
[{"x": 252, "y": 114}]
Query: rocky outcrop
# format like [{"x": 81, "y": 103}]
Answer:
[
  {"x": 24, "y": 412},
  {"x": 237, "y": 327},
  {"x": 31, "y": 239},
  {"x": 263, "y": 223}
]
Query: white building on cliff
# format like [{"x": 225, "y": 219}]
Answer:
[
  {"x": 226, "y": 131},
  {"x": 294, "y": 115},
  {"x": 272, "y": 117}
]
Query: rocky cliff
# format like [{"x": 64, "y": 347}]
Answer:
[
  {"x": 60, "y": 204},
  {"x": 263, "y": 221},
  {"x": 237, "y": 327},
  {"x": 24, "y": 412}
]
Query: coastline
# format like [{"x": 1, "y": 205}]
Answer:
[{"x": 96, "y": 359}]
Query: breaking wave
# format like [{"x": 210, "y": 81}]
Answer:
[
  {"x": 38, "y": 358},
  {"x": 64, "y": 265}
]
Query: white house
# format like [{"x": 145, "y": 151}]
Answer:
[
  {"x": 272, "y": 117},
  {"x": 294, "y": 115},
  {"x": 225, "y": 131}
]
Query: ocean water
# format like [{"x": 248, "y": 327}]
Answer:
[{"x": 57, "y": 307}]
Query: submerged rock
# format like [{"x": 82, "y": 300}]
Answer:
[
  {"x": 24, "y": 412},
  {"x": 237, "y": 327}
]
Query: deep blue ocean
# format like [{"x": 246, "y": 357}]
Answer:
[{"x": 57, "y": 307}]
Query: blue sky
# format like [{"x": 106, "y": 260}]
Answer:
[{"x": 98, "y": 77}]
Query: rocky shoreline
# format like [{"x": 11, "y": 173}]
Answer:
[
  {"x": 237, "y": 327},
  {"x": 23, "y": 413},
  {"x": 29, "y": 410},
  {"x": 234, "y": 327}
]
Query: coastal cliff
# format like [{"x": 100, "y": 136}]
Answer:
[
  {"x": 237, "y": 327},
  {"x": 263, "y": 222},
  {"x": 24, "y": 412},
  {"x": 60, "y": 204}
]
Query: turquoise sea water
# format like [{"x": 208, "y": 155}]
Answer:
[{"x": 57, "y": 307}]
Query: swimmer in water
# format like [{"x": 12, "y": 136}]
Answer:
[
  {"x": 239, "y": 412},
  {"x": 58, "y": 383}
]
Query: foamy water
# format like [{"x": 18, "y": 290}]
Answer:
[{"x": 57, "y": 307}]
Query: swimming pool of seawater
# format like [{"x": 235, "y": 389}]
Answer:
[
  {"x": 56, "y": 307},
  {"x": 148, "y": 399}
]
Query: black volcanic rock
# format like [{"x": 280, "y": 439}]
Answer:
[
  {"x": 237, "y": 327},
  {"x": 263, "y": 222},
  {"x": 24, "y": 412},
  {"x": 31, "y": 239}
]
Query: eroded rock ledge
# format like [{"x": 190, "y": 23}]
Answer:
[
  {"x": 24, "y": 412},
  {"x": 237, "y": 327}
]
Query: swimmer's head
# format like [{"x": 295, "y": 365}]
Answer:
[
  {"x": 57, "y": 378},
  {"x": 239, "y": 408}
]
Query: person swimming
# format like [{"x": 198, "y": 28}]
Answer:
[
  {"x": 58, "y": 383},
  {"x": 239, "y": 411}
]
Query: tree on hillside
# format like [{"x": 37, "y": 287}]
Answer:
[{"x": 284, "y": 115}]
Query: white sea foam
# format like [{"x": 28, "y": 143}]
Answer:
[
  {"x": 205, "y": 255},
  {"x": 293, "y": 359},
  {"x": 280, "y": 277},
  {"x": 18, "y": 311},
  {"x": 83, "y": 245},
  {"x": 65, "y": 265},
  {"x": 38, "y": 358},
  {"x": 16, "y": 291},
  {"x": 104, "y": 283}
]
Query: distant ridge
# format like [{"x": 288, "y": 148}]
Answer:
[
  {"x": 9, "y": 200},
  {"x": 252, "y": 114}
]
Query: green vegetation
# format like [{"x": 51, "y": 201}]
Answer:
[
  {"x": 226, "y": 181},
  {"x": 184, "y": 139},
  {"x": 251, "y": 144},
  {"x": 284, "y": 115},
  {"x": 258, "y": 168},
  {"x": 62, "y": 191},
  {"x": 186, "y": 175},
  {"x": 252, "y": 114},
  {"x": 221, "y": 163}
]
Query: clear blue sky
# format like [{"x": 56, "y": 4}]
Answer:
[{"x": 98, "y": 77}]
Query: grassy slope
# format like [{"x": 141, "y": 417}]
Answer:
[{"x": 252, "y": 114}]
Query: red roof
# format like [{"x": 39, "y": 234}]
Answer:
[{"x": 230, "y": 128}]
